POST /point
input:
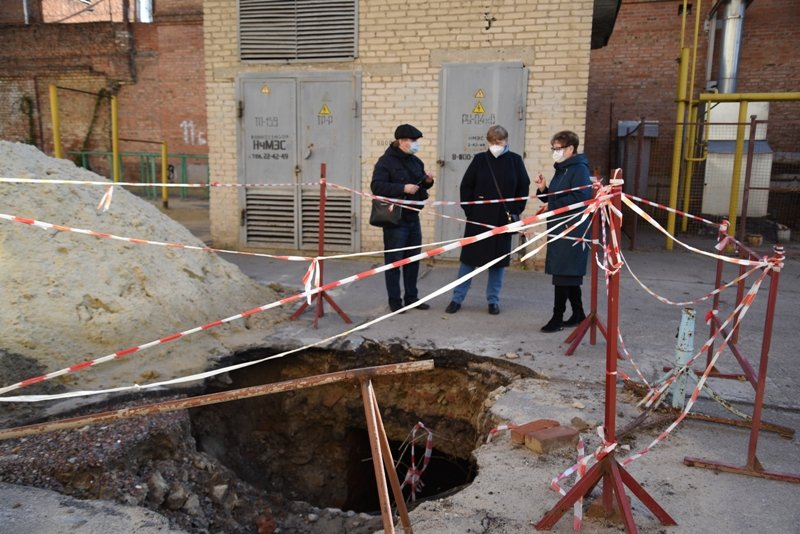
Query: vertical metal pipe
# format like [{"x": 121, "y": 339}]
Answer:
[
  {"x": 56, "y": 121},
  {"x": 684, "y": 348},
  {"x": 691, "y": 140},
  {"x": 677, "y": 150},
  {"x": 737, "y": 167},
  {"x": 323, "y": 192},
  {"x": 164, "y": 194},
  {"x": 115, "y": 138},
  {"x": 766, "y": 340},
  {"x": 595, "y": 272},
  {"x": 731, "y": 38},
  {"x": 748, "y": 168},
  {"x": 613, "y": 324},
  {"x": 715, "y": 301}
]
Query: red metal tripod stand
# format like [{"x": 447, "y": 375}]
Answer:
[
  {"x": 607, "y": 468},
  {"x": 322, "y": 295}
]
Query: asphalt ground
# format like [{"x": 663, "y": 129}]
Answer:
[{"x": 648, "y": 329}]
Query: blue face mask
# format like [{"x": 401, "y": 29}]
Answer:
[{"x": 414, "y": 148}]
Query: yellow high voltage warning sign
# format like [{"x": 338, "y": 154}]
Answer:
[
  {"x": 478, "y": 109},
  {"x": 325, "y": 110},
  {"x": 265, "y": 89},
  {"x": 479, "y": 94}
]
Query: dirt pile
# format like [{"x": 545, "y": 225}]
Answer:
[{"x": 71, "y": 297}]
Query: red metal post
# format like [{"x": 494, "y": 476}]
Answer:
[
  {"x": 592, "y": 321},
  {"x": 322, "y": 295},
  {"x": 614, "y": 476}
]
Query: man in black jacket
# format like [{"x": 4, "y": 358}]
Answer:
[{"x": 400, "y": 174}]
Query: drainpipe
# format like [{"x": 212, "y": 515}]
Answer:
[
  {"x": 25, "y": 11},
  {"x": 732, "y": 16}
]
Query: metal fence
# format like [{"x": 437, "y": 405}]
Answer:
[
  {"x": 768, "y": 200},
  {"x": 145, "y": 168}
]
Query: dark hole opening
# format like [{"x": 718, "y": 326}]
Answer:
[{"x": 312, "y": 444}]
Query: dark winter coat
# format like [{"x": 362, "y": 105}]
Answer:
[
  {"x": 477, "y": 184},
  {"x": 566, "y": 257},
  {"x": 393, "y": 171}
]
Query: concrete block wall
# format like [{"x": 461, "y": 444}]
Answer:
[{"x": 400, "y": 52}]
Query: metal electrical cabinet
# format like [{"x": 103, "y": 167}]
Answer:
[
  {"x": 473, "y": 97},
  {"x": 289, "y": 125}
]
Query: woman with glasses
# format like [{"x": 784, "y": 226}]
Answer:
[{"x": 566, "y": 258}]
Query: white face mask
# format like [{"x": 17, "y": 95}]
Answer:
[
  {"x": 498, "y": 150},
  {"x": 414, "y": 148},
  {"x": 558, "y": 155}
]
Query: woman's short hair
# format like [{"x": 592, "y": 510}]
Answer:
[
  {"x": 496, "y": 133},
  {"x": 565, "y": 138}
]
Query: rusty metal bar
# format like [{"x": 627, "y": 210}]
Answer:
[
  {"x": 371, "y": 415},
  {"x": 216, "y": 398},
  {"x": 782, "y": 431},
  {"x": 392, "y": 472}
]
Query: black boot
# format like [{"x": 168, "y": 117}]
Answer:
[
  {"x": 574, "y": 295},
  {"x": 556, "y": 322}
]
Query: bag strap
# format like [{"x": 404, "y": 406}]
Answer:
[{"x": 496, "y": 186}]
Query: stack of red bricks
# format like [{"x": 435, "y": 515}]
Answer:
[{"x": 544, "y": 435}]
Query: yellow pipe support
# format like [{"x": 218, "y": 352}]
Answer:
[
  {"x": 56, "y": 121},
  {"x": 687, "y": 178},
  {"x": 164, "y": 194},
  {"x": 115, "y": 138},
  {"x": 677, "y": 151},
  {"x": 749, "y": 97},
  {"x": 733, "y": 206}
]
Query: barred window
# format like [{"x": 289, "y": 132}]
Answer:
[{"x": 297, "y": 30}]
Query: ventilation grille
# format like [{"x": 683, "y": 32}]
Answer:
[
  {"x": 290, "y": 30},
  {"x": 338, "y": 222},
  {"x": 270, "y": 218}
]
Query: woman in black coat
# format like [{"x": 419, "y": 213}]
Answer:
[
  {"x": 494, "y": 174},
  {"x": 566, "y": 259}
]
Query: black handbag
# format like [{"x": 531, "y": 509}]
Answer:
[{"x": 384, "y": 214}]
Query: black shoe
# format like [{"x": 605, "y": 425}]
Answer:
[
  {"x": 494, "y": 309},
  {"x": 394, "y": 306},
  {"x": 576, "y": 319},
  {"x": 423, "y": 306},
  {"x": 453, "y": 307},
  {"x": 553, "y": 325}
]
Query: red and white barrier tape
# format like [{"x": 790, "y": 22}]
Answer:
[
  {"x": 512, "y": 227},
  {"x": 654, "y": 223},
  {"x": 414, "y": 474},
  {"x": 746, "y": 303},
  {"x": 93, "y": 233},
  {"x": 673, "y": 210},
  {"x": 578, "y": 506},
  {"x": 451, "y": 202},
  {"x": 106, "y": 183}
]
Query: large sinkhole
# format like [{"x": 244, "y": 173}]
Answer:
[{"x": 312, "y": 444}]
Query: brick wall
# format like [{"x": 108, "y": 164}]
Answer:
[
  {"x": 155, "y": 69},
  {"x": 636, "y": 75},
  {"x": 37, "y": 55},
  {"x": 401, "y": 50}
]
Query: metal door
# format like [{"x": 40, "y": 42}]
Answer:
[
  {"x": 290, "y": 125},
  {"x": 473, "y": 97}
]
